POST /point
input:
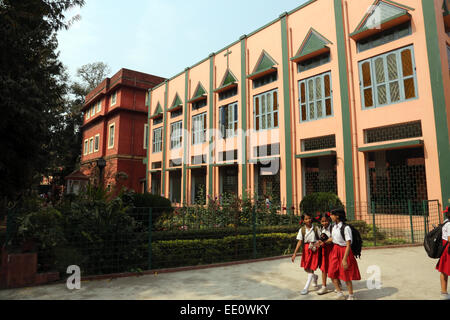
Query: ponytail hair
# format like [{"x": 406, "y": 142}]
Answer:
[{"x": 340, "y": 213}]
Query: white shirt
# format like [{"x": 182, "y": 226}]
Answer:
[
  {"x": 309, "y": 235},
  {"x": 327, "y": 231},
  {"x": 336, "y": 235},
  {"x": 446, "y": 230}
]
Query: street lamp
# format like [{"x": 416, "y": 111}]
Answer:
[{"x": 101, "y": 164}]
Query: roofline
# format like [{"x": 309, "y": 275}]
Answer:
[{"x": 238, "y": 41}]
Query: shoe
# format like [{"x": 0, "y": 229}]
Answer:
[
  {"x": 304, "y": 292},
  {"x": 322, "y": 291},
  {"x": 316, "y": 277},
  {"x": 340, "y": 296},
  {"x": 445, "y": 296},
  {"x": 351, "y": 298}
]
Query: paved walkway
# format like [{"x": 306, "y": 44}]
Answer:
[{"x": 406, "y": 274}]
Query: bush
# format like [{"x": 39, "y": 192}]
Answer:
[
  {"x": 159, "y": 205},
  {"x": 320, "y": 202},
  {"x": 177, "y": 253},
  {"x": 218, "y": 233}
]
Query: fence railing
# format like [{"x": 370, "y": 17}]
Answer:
[{"x": 140, "y": 239}]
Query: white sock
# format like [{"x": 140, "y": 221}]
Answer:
[{"x": 310, "y": 278}]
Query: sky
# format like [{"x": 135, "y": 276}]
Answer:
[{"x": 160, "y": 37}]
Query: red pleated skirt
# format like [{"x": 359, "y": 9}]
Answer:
[
  {"x": 310, "y": 260},
  {"x": 326, "y": 253},
  {"x": 336, "y": 270},
  {"x": 443, "y": 264}
]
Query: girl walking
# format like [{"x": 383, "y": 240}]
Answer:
[
  {"x": 443, "y": 266},
  {"x": 308, "y": 237},
  {"x": 326, "y": 246},
  {"x": 343, "y": 265}
]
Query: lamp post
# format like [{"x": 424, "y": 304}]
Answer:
[{"x": 101, "y": 164}]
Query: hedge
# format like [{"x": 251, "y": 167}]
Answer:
[
  {"x": 218, "y": 233},
  {"x": 178, "y": 253}
]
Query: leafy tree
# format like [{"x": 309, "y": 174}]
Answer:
[
  {"x": 32, "y": 88},
  {"x": 66, "y": 142}
]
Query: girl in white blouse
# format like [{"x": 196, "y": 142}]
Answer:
[
  {"x": 308, "y": 237},
  {"x": 443, "y": 266}
]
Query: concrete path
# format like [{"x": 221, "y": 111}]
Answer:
[{"x": 406, "y": 274}]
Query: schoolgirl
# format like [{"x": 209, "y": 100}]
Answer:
[
  {"x": 443, "y": 265},
  {"x": 307, "y": 237},
  {"x": 343, "y": 265},
  {"x": 326, "y": 246}
]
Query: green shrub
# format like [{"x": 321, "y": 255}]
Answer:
[
  {"x": 320, "y": 202},
  {"x": 379, "y": 235},
  {"x": 217, "y": 233},
  {"x": 177, "y": 253},
  {"x": 394, "y": 241}
]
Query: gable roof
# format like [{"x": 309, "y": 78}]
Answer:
[
  {"x": 264, "y": 65},
  {"x": 158, "y": 111},
  {"x": 176, "y": 104},
  {"x": 199, "y": 93},
  {"x": 229, "y": 81},
  {"x": 382, "y": 14},
  {"x": 313, "y": 44}
]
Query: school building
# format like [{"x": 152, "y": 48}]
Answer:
[
  {"x": 351, "y": 97},
  {"x": 114, "y": 132}
]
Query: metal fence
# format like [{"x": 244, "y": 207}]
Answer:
[{"x": 143, "y": 239}]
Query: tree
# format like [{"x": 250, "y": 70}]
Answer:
[
  {"x": 32, "y": 87},
  {"x": 66, "y": 139},
  {"x": 92, "y": 74}
]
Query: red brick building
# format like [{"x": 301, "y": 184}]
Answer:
[{"x": 115, "y": 129}]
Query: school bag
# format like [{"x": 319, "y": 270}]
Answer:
[
  {"x": 357, "y": 241},
  {"x": 433, "y": 242},
  {"x": 316, "y": 232}
]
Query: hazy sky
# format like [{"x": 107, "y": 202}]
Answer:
[{"x": 161, "y": 37}]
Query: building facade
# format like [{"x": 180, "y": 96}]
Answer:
[
  {"x": 356, "y": 102},
  {"x": 115, "y": 129}
]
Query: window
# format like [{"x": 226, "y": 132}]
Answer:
[
  {"x": 266, "y": 110},
  {"x": 88, "y": 113},
  {"x": 99, "y": 106},
  {"x": 384, "y": 37},
  {"x": 388, "y": 78},
  {"x": 199, "y": 104},
  {"x": 228, "y": 93},
  {"x": 111, "y": 136},
  {"x": 269, "y": 78},
  {"x": 96, "y": 143},
  {"x": 315, "y": 97},
  {"x": 114, "y": 98},
  {"x": 157, "y": 120},
  {"x": 228, "y": 120},
  {"x": 176, "y": 135},
  {"x": 448, "y": 56},
  {"x": 199, "y": 129},
  {"x": 92, "y": 111},
  {"x": 157, "y": 140},
  {"x": 177, "y": 113},
  {"x": 145, "y": 136},
  {"x": 86, "y": 150},
  {"x": 313, "y": 62},
  {"x": 91, "y": 145}
]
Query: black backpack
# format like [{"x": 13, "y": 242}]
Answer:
[
  {"x": 357, "y": 241},
  {"x": 433, "y": 242}
]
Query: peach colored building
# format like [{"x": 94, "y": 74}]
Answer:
[{"x": 350, "y": 97}]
